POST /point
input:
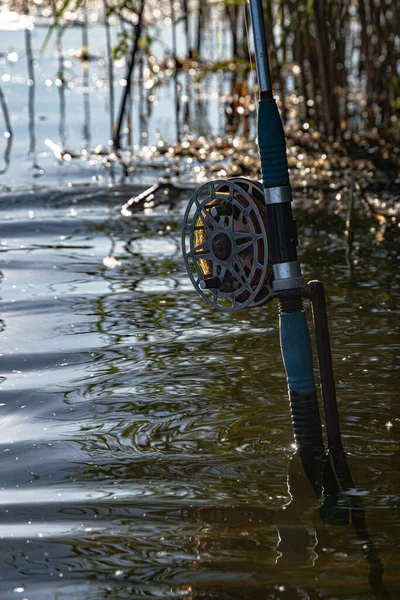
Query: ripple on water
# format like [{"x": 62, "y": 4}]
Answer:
[{"x": 145, "y": 439}]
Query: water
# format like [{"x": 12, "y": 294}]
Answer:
[
  {"x": 47, "y": 116},
  {"x": 146, "y": 443}
]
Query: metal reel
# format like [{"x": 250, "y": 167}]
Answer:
[{"x": 225, "y": 246}]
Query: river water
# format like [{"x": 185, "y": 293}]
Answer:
[
  {"x": 66, "y": 105},
  {"x": 146, "y": 442}
]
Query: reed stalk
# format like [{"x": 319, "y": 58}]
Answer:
[{"x": 131, "y": 63}]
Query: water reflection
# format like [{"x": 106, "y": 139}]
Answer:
[
  {"x": 8, "y": 133},
  {"x": 61, "y": 88},
  {"x": 85, "y": 78},
  {"x": 146, "y": 439},
  {"x": 2, "y": 322},
  {"x": 186, "y": 83},
  {"x": 110, "y": 68},
  {"x": 322, "y": 497},
  {"x": 31, "y": 99}
]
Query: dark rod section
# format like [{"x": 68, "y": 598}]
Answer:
[
  {"x": 260, "y": 45},
  {"x": 282, "y": 232},
  {"x": 325, "y": 364},
  {"x": 297, "y": 358}
]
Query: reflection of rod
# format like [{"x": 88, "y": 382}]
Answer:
[
  {"x": 331, "y": 480},
  {"x": 359, "y": 523},
  {"x": 7, "y": 152}
]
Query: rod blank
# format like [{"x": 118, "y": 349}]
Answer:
[{"x": 260, "y": 46}]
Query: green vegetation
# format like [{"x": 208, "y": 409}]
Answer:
[
  {"x": 335, "y": 68},
  {"x": 336, "y": 60}
]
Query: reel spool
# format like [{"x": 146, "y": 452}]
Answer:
[{"x": 225, "y": 246}]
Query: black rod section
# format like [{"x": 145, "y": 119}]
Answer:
[
  {"x": 260, "y": 46},
  {"x": 325, "y": 364}
]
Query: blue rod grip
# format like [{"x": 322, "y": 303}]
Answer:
[
  {"x": 297, "y": 352},
  {"x": 272, "y": 145},
  {"x": 297, "y": 358}
]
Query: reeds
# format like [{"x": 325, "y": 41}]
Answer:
[
  {"x": 334, "y": 64},
  {"x": 339, "y": 58}
]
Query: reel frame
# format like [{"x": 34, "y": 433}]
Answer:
[{"x": 225, "y": 245}]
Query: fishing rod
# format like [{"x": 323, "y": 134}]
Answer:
[{"x": 239, "y": 243}]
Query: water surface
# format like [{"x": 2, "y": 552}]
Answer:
[{"x": 146, "y": 443}]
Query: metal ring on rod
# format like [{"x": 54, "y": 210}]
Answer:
[{"x": 225, "y": 246}]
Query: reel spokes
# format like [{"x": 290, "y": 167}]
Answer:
[{"x": 225, "y": 245}]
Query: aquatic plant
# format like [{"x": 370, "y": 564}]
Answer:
[
  {"x": 338, "y": 59},
  {"x": 335, "y": 76}
]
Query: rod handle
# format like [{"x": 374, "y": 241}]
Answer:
[
  {"x": 272, "y": 145},
  {"x": 297, "y": 358}
]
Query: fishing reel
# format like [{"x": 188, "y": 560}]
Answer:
[{"x": 225, "y": 245}]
